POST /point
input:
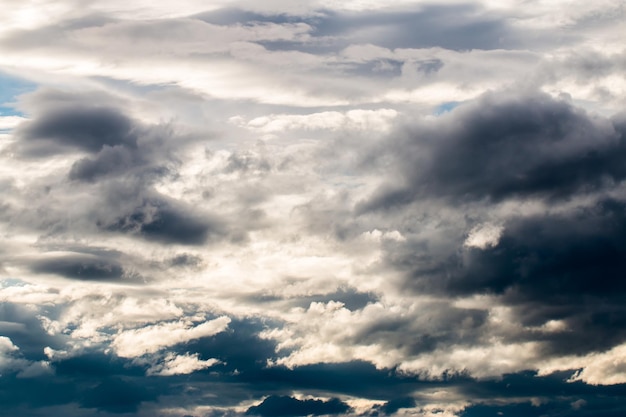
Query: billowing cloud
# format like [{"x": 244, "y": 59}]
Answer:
[
  {"x": 501, "y": 147},
  {"x": 287, "y": 406},
  {"x": 133, "y": 343}
]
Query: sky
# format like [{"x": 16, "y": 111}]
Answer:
[{"x": 293, "y": 208}]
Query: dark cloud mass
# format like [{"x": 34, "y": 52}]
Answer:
[
  {"x": 83, "y": 267},
  {"x": 87, "y": 128},
  {"x": 550, "y": 256},
  {"x": 162, "y": 220},
  {"x": 287, "y": 406},
  {"x": 503, "y": 146}
]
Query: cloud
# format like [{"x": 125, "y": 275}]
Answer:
[
  {"x": 164, "y": 220},
  {"x": 116, "y": 395},
  {"x": 84, "y": 128},
  {"x": 312, "y": 209},
  {"x": 335, "y": 121},
  {"x": 501, "y": 147},
  {"x": 287, "y": 406},
  {"x": 82, "y": 267},
  {"x": 11, "y": 361},
  {"x": 180, "y": 365},
  {"x": 150, "y": 339}
]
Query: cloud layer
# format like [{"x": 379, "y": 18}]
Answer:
[{"x": 285, "y": 209}]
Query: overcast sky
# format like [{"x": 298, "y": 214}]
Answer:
[{"x": 288, "y": 208}]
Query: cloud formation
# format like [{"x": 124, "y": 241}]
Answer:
[{"x": 289, "y": 208}]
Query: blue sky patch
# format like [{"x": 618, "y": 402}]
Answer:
[
  {"x": 10, "y": 88},
  {"x": 446, "y": 107}
]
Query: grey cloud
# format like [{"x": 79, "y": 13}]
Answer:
[
  {"x": 82, "y": 267},
  {"x": 117, "y": 395},
  {"x": 390, "y": 407},
  {"x": 116, "y": 143},
  {"x": 87, "y": 128},
  {"x": 23, "y": 326},
  {"x": 503, "y": 147},
  {"x": 167, "y": 221},
  {"x": 557, "y": 397},
  {"x": 579, "y": 252},
  {"x": 110, "y": 160},
  {"x": 185, "y": 260},
  {"x": 115, "y": 182},
  {"x": 563, "y": 262},
  {"x": 274, "y": 406},
  {"x": 351, "y": 298},
  {"x": 457, "y": 27},
  {"x": 426, "y": 330},
  {"x": 563, "y": 266}
]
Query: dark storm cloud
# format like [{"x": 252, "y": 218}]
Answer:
[
  {"x": 427, "y": 330},
  {"x": 92, "y": 381},
  {"x": 99, "y": 125},
  {"x": 164, "y": 220},
  {"x": 275, "y": 406},
  {"x": 526, "y": 394},
  {"x": 390, "y": 407},
  {"x": 95, "y": 380},
  {"x": 566, "y": 266},
  {"x": 356, "y": 378},
  {"x": 87, "y": 128},
  {"x": 503, "y": 146},
  {"x": 124, "y": 159},
  {"x": 81, "y": 267},
  {"x": 110, "y": 160},
  {"x": 551, "y": 256},
  {"x": 117, "y": 395},
  {"x": 245, "y": 355},
  {"x": 23, "y": 326},
  {"x": 562, "y": 263},
  {"x": 239, "y": 348}
]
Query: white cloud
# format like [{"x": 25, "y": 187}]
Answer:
[
  {"x": 150, "y": 339},
  {"x": 484, "y": 236},
  {"x": 180, "y": 365},
  {"x": 598, "y": 368},
  {"x": 10, "y": 122},
  {"x": 377, "y": 120}
]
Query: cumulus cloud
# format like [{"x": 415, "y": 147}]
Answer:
[
  {"x": 150, "y": 339},
  {"x": 180, "y": 365}
]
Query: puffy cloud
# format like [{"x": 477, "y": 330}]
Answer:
[
  {"x": 288, "y": 406},
  {"x": 150, "y": 339},
  {"x": 180, "y": 365}
]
